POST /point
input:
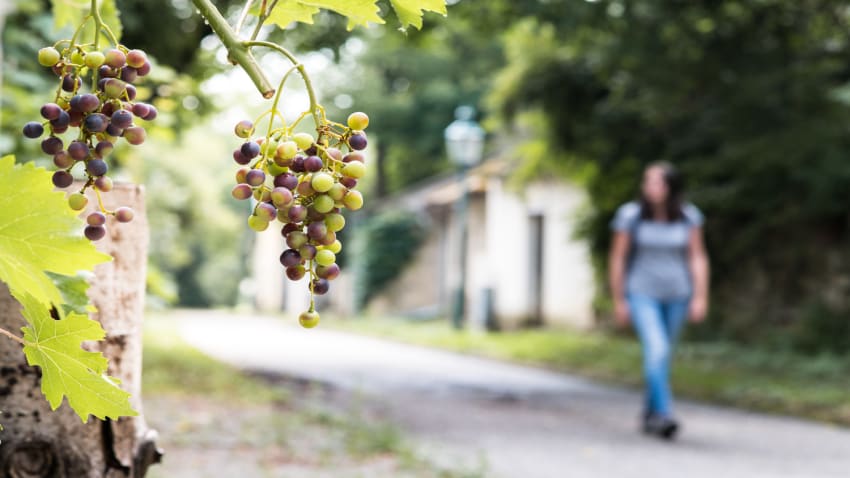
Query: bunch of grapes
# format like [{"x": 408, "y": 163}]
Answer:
[
  {"x": 99, "y": 118},
  {"x": 304, "y": 182}
]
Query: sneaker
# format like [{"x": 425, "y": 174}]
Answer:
[{"x": 664, "y": 427}]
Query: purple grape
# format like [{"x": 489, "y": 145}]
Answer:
[
  {"x": 329, "y": 239},
  {"x": 241, "y": 191},
  {"x": 103, "y": 183},
  {"x": 115, "y": 58},
  {"x": 62, "y": 120},
  {"x": 96, "y": 218},
  {"x": 295, "y": 272},
  {"x": 250, "y": 149},
  {"x": 307, "y": 251},
  {"x": 321, "y": 286},
  {"x": 62, "y": 179},
  {"x": 255, "y": 177},
  {"x": 289, "y": 227},
  {"x": 51, "y": 111},
  {"x": 52, "y": 145},
  {"x": 131, "y": 92},
  {"x": 108, "y": 109},
  {"x": 124, "y": 214},
  {"x": 290, "y": 257},
  {"x": 141, "y": 110},
  {"x": 33, "y": 130},
  {"x": 114, "y": 88},
  {"x": 144, "y": 69},
  {"x": 129, "y": 74},
  {"x": 122, "y": 118},
  {"x": 106, "y": 72},
  {"x": 152, "y": 112},
  {"x": 115, "y": 131},
  {"x": 135, "y": 135},
  {"x": 286, "y": 180},
  {"x": 313, "y": 164},
  {"x": 78, "y": 150},
  {"x": 96, "y": 167},
  {"x": 357, "y": 141},
  {"x": 305, "y": 189},
  {"x": 101, "y": 83},
  {"x": 312, "y": 150},
  {"x": 350, "y": 183},
  {"x": 240, "y": 158},
  {"x": 136, "y": 58},
  {"x": 314, "y": 215},
  {"x": 75, "y": 118},
  {"x": 103, "y": 148},
  {"x": 328, "y": 272},
  {"x": 266, "y": 211},
  {"x": 87, "y": 102},
  {"x": 317, "y": 230},
  {"x": 297, "y": 213},
  {"x": 62, "y": 160},
  {"x": 75, "y": 103},
  {"x": 96, "y": 123},
  {"x": 354, "y": 156},
  {"x": 70, "y": 83},
  {"x": 298, "y": 165},
  {"x": 94, "y": 233}
]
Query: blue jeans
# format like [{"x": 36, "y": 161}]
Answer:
[{"x": 658, "y": 324}]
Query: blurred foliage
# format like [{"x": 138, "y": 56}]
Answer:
[
  {"x": 385, "y": 243},
  {"x": 748, "y": 98}
]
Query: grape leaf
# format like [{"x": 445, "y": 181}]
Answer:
[
  {"x": 38, "y": 233},
  {"x": 359, "y": 12},
  {"x": 73, "y": 290},
  {"x": 71, "y": 13},
  {"x": 410, "y": 12},
  {"x": 288, "y": 11},
  {"x": 67, "y": 369}
]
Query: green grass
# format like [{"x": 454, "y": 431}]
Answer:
[{"x": 768, "y": 381}]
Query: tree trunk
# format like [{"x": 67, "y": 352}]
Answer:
[{"x": 38, "y": 442}]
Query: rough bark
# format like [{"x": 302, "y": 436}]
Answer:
[{"x": 38, "y": 442}]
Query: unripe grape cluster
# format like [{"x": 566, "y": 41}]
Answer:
[
  {"x": 303, "y": 181},
  {"x": 98, "y": 119}
]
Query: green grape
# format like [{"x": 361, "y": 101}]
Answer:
[
  {"x": 287, "y": 150},
  {"x": 309, "y": 319},
  {"x": 323, "y": 203},
  {"x": 337, "y": 192},
  {"x": 358, "y": 121},
  {"x": 243, "y": 129},
  {"x": 77, "y": 201},
  {"x": 303, "y": 140},
  {"x": 94, "y": 59},
  {"x": 354, "y": 169},
  {"x": 322, "y": 182},
  {"x": 334, "y": 247},
  {"x": 353, "y": 200},
  {"x": 325, "y": 257},
  {"x": 257, "y": 223},
  {"x": 48, "y": 56},
  {"x": 276, "y": 169},
  {"x": 335, "y": 222}
]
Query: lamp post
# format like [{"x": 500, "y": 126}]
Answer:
[{"x": 465, "y": 148}]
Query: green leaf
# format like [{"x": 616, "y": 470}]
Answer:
[
  {"x": 38, "y": 233},
  {"x": 359, "y": 12},
  {"x": 410, "y": 12},
  {"x": 73, "y": 290},
  {"x": 67, "y": 369},
  {"x": 288, "y": 11},
  {"x": 72, "y": 12}
]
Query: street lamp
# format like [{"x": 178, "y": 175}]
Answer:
[{"x": 465, "y": 148}]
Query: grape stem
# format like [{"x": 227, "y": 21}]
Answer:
[
  {"x": 314, "y": 105},
  {"x": 243, "y": 15},
  {"x": 238, "y": 52},
  {"x": 12, "y": 336}
]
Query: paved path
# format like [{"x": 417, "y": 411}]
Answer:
[{"x": 522, "y": 422}]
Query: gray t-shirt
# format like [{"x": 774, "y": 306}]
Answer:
[{"x": 658, "y": 264}]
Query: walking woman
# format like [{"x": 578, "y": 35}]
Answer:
[{"x": 658, "y": 272}]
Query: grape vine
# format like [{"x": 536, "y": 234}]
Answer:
[{"x": 303, "y": 180}]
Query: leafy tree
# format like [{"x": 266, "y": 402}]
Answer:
[{"x": 749, "y": 98}]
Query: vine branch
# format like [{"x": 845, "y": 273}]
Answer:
[
  {"x": 314, "y": 105},
  {"x": 12, "y": 336},
  {"x": 238, "y": 52}
]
